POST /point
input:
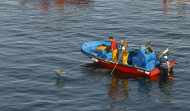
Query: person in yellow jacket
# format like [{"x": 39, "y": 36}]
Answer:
[
  {"x": 114, "y": 48},
  {"x": 124, "y": 51}
]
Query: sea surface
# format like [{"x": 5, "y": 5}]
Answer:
[{"x": 39, "y": 36}]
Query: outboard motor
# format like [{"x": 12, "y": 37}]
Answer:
[{"x": 165, "y": 64}]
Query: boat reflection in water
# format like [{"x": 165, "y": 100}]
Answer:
[
  {"x": 125, "y": 85},
  {"x": 120, "y": 85},
  {"x": 57, "y": 5},
  {"x": 54, "y": 13},
  {"x": 153, "y": 89},
  {"x": 118, "y": 89},
  {"x": 166, "y": 5}
]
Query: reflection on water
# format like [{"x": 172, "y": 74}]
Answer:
[
  {"x": 123, "y": 86},
  {"x": 165, "y": 86},
  {"x": 60, "y": 83},
  {"x": 118, "y": 89},
  {"x": 182, "y": 4},
  {"x": 56, "y": 10},
  {"x": 56, "y": 5},
  {"x": 154, "y": 89}
]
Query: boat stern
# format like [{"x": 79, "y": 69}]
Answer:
[{"x": 154, "y": 72}]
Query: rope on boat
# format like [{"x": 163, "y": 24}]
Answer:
[
  {"x": 75, "y": 66},
  {"x": 117, "y": 62},
  {"x": 60, "y": 72},
  {"x": 176, "y": 41},
  {"x": 114, "y": 67},
  {"x": 163, "y": 51}
]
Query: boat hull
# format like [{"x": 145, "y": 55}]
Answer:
[{"x": 128, "y": 69}]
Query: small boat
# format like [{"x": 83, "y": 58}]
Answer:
[{"x": 141, "y": 61}]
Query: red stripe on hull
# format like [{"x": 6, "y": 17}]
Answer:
[
  {"x": 172, "y": 63},
  {"x": 128, "y": 69},
  {"x": 154, "y": 72}
]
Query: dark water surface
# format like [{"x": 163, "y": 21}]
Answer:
[{"x": 38, "y": 36}]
